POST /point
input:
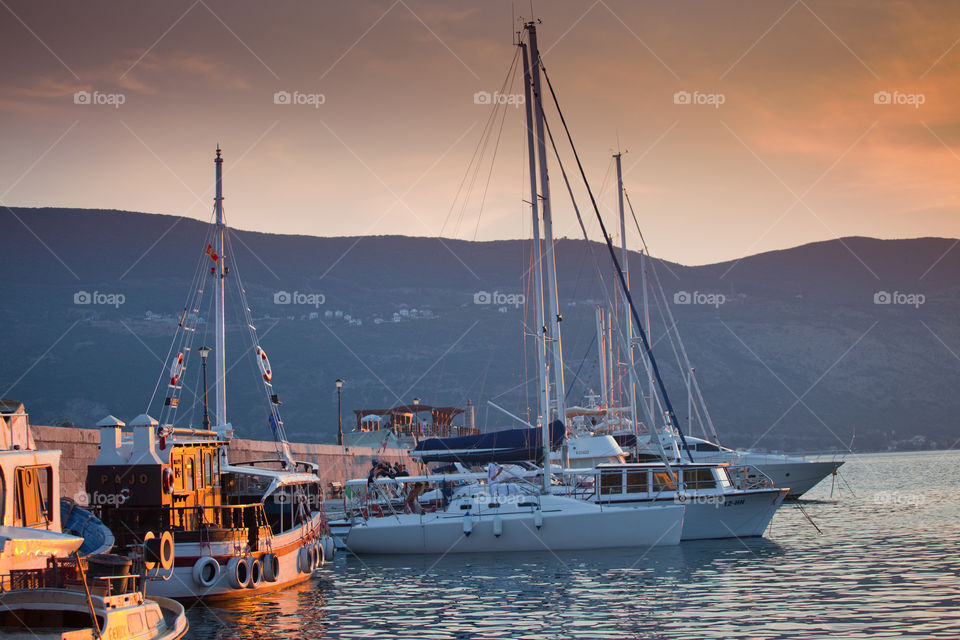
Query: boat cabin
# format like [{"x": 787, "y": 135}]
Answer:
[{"x": 29, "y": 479}]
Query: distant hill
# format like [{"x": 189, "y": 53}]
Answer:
[{"x": 797, "y": 357}]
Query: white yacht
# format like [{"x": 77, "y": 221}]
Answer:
[
  {"x": 503, "y": 517},
  {"x": 721, "y": 501},
  {"x": 799, "y": 474}
]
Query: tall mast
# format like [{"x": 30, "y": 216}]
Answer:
[
  {"x": 543, "y": 388},
  {"x": 628, "y": 321},
  {"x": 602, "y": 357},
  {"x": 557, "y": 362},
  {"x": 220, "y": 406}
]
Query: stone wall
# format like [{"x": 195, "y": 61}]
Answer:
[{"x": 80, "y": 447}]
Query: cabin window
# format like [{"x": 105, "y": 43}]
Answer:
[
  {"x": 208, "y": 468},
  {"x": 637, "y": 482},
  {"x": 663, "y": 481},
  {"x": 724, "y": 477},
  {"x": 611, "y": 482},
  {"x": 189, "y": 479},
  {"x": 33, "y": 496},
  {"x": 699, "y": 479},
  {"x": 707, "y": 446},
  {"x": 134, "y": 623},
  {"x": 153, "y": 618}
]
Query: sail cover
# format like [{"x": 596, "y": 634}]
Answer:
[{"x": 510, "y": 445}]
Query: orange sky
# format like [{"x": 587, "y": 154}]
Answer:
[{"x": 799, "y": 151}]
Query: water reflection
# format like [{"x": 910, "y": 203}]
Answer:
[{"x": 883, "y": 567}]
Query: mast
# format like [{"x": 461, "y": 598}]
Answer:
[
  {"x": 220, "y": 406},
  {"x": 602, "y": 357},
  {"x": 557, "y": 361},
  {"x": 628, "y": 321},
  {"x": 543, "y": 388}
]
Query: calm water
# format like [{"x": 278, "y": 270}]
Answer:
[{"x": 885, "y": 566}]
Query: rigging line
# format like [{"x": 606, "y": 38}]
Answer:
[
  {"x": 474, "y": 157},
  {"x": 583, "y": 361},
  {"x": 596, "y": 263},
  {"x": 496, "y": 147},
  {"x": 671, "y": 414},
  {"x": 672, "y": 325},
  {"x": 192, "y": 292}
]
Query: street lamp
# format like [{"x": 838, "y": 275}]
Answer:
[
  {"x": 339, "y": 384},
  {"x": 204, "y": 352},
  {"x": 416, "y": 415}
]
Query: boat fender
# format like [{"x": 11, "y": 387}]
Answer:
[
  {"x": 271, "y": 567},
  {"x": 168, "y": 480},
  {"x": 238, "y": 572},
  {"x": 467, "y": 524},
  {"x": 206, "y": 571},
  {"x": 304, "y": 561},
  {"x": 158, "y": 550},
  {"x": 329, "y": 548},
  {"x": 497, "y": 526},
  {"x": 264, "y": 364},
  {"x": 318, "y": 555},
  {"x": 538, "y": 518},
  {"x": 176, "y": 368},
  {"x": 256, "y": 572}
]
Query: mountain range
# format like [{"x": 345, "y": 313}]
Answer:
[{"x": 852, "y": 342}]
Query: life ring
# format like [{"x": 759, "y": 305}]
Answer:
[
  {"x": 264, "y": 364},
  {"x": 256, "y": 573},
  {"x": 271, "y": 567},
  {"x": 238, "y": 572},
  {"x": 206, "y": 571},
  {"x": 176, "y": 368},
  {"x": 158, "y": 550},
  {"x": 168, "y": 480}
]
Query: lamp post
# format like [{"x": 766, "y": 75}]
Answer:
[
  {"x": 204, "y": 352},
  {"x": 339, "y": 384},
  {"x": 416, "y": 415}
]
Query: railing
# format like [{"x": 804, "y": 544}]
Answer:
[{"x": 740, "y": 476}]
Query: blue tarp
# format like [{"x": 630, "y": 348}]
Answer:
[{"x": 511, "y": 445}]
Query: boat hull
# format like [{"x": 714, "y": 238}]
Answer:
[
  {"x": 182, "y": 584},
  {"x": 570, "y": 528},
  {"x": 800, "y": 477}
]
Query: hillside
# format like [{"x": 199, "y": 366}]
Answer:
[{"x": 797, "y": 357}]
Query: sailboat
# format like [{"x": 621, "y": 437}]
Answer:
[
  {"x": 489, "y": 515},
  {"x": 239, "y": 529}
]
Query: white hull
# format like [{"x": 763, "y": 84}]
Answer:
[
  {"x": 561, "y": 524},
  {"x": 287, "y": 546},
  {"x": 800, "y": 477}
]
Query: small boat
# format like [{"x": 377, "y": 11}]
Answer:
[
  {"x": 93, "y": 597},
  {"x": 31, "y": 479},
  {"x": 238, "y": 529}
]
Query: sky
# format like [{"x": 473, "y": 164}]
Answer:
[{"x": 806, "y": 120}]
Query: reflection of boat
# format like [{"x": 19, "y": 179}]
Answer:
[{"x": 239, "y": 528}]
